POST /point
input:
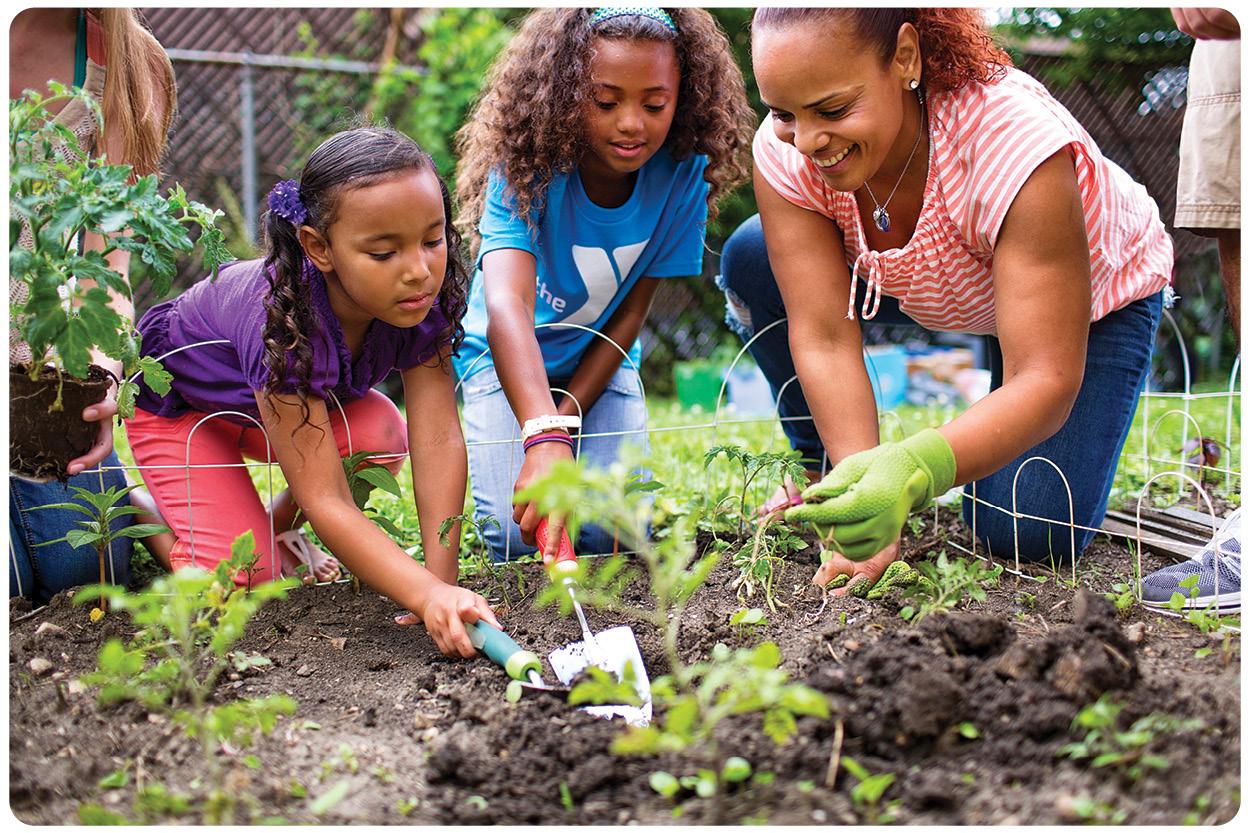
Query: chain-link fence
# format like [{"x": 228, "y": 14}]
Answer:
[{"x": 258, "y": 88}]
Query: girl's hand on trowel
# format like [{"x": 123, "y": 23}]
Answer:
[
  {"x": 444, "y": 616},
  {"x": 868, "y": 570},
  {"x": 538, "y": 461}
]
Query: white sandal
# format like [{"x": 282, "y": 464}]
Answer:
[{"x": 310, "y": 555}]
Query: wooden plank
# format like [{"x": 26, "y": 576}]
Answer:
[{"x": 1162, "y": 544}]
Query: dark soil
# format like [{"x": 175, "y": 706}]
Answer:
[
  {"x": 409, "y": 730},
  {"x": 43, "y": 441}
]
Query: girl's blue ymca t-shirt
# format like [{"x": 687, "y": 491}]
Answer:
[{"x": 589, "y": 257}]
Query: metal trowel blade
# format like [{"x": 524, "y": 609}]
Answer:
[{"x": 613, "y": 648}]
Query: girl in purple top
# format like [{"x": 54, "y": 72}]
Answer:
[{"x": 361, "y": 276}]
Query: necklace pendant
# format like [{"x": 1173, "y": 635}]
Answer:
[{"x": 881, "y": 218}]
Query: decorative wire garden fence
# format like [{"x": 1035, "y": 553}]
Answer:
[{"x": 1157, "y": 467}]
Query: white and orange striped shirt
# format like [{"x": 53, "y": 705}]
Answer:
[{"x": 985, "y": 142}]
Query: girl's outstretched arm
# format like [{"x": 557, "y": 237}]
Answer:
[
  {"x": 602, "y": 359},
  {"x": 439, "y": 462},
  {"x": 510, "y": 276},
  {"x": 309, "y": 458}
]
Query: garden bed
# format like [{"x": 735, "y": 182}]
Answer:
[{"x": 967, "y": 710}]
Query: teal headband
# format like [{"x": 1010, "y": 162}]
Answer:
[{"x": 657, "y": 14}]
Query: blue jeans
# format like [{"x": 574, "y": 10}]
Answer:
[
  {"x": 1086, "y": 448},
  {"x": 38, "y": 573},
  {"x": 494, "y": 465}
]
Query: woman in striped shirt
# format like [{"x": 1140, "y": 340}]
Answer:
[{"x": 904, "y": 159}]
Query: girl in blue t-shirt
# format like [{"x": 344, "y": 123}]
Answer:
[
  {"x": 602, "y": 140},
  {"x": 361, "y": 276}
]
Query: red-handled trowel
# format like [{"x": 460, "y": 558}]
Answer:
[{"x": 610, "y": 650}]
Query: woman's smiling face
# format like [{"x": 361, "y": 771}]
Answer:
[{"x": 833, "y": 99}]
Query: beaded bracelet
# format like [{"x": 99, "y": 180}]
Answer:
[{"x": 547, "y": 437}]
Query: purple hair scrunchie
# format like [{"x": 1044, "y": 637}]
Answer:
[{"x": 285, "y": 202}]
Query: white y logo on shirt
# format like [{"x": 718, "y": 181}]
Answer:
[{"x": 602, "y": 274}]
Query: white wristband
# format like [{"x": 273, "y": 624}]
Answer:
[{"x": 539, "y": 424}]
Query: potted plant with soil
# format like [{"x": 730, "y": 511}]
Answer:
[{"x": 58, "y": 193}]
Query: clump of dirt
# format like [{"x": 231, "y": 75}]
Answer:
[{"x": 967, "y": 710}]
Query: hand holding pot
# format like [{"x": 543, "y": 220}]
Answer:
[
  {"x": 102, "y": 412},
  {"x": 860, "y": 507}
]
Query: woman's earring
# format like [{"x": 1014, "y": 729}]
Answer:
[{"x": 913, "y": 84}]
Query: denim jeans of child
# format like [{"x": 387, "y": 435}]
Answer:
[
  {"x": 38, "y": 573},
  {"x": 495, "y": 453},
  {"x": 1086, "y": 448}
]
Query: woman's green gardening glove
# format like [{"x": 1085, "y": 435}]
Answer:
[{"x": 860, "y": 507}]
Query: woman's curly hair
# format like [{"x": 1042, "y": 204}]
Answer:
[
  {"x": 955, "y": 47},
  {"x": 528, "y": 123},
  {"x": 353, "y": 158}
]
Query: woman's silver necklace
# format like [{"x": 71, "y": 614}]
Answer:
[{"x": 881, "y": 217}]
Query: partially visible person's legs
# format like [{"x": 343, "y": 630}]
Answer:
[
  {"x": 753, "y": 304},
  {"x": 40, "y": 572},
  {"x": 210, "y": 504},
  {"x": 495, "y": 453},
  {"x": 1208, "y": 181},
  {"x": 1230, "y": 272},
  {"x": 372, "y": 423},
  {"x": 620, "y": 412},
  {"x": 495, "y": 457},
  {"x": 1086, "y": 449}
]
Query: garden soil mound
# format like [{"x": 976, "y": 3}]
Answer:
[{"x": 967, "y": 710}]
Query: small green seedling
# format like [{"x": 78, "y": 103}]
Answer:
[
  {"x": 745, "y": 620},
  {"x": 96, "y": 530},
  {"x": 1127, "y": 751},
  {"x": 944, "y": 584},
  {"x": 188, "y": 625},
  {"x": 773, "y": 466},
  {"x": 867, "y": 793}
]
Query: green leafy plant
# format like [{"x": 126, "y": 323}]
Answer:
[
  {"x": 771, "y": 466},
  {"x": 759, "y": 561},
  {"x": 1123, "y": 595},
  {"x": 59, "y": 192},
  {"x": 944, "y": 584},
  {"x": 868, "y": 791},
  {"x": 1126, "y": 750},
  {"x": 693, "y": 698},
  {"x": 1089, "y": 811},
  {"x": 747, "y": 619},
  {"x": 698, "y": 697},
  {"x": 1206, "y": 619},
  {"x": 96, "y": 530},
  {"x": 188, "y": 624},
  {"x": 478, "y": 560}
]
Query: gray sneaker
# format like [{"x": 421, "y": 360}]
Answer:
[{"x": 1158, "y": 587}]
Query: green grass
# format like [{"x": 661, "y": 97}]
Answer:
[{"x": 679, "y": 438}]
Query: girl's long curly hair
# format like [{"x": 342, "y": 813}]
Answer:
[
  {"x": 955, "y": 47},
  {"x": 528, "y": 123},
  {"x": 354, "y": 158}
]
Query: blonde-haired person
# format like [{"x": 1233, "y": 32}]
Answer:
[{"x": 110, "y": 54}]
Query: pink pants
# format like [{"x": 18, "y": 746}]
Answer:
[{"x": 207, "y": 508}]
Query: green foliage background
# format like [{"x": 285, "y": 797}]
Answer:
[{"x": 458, "y": 46}]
